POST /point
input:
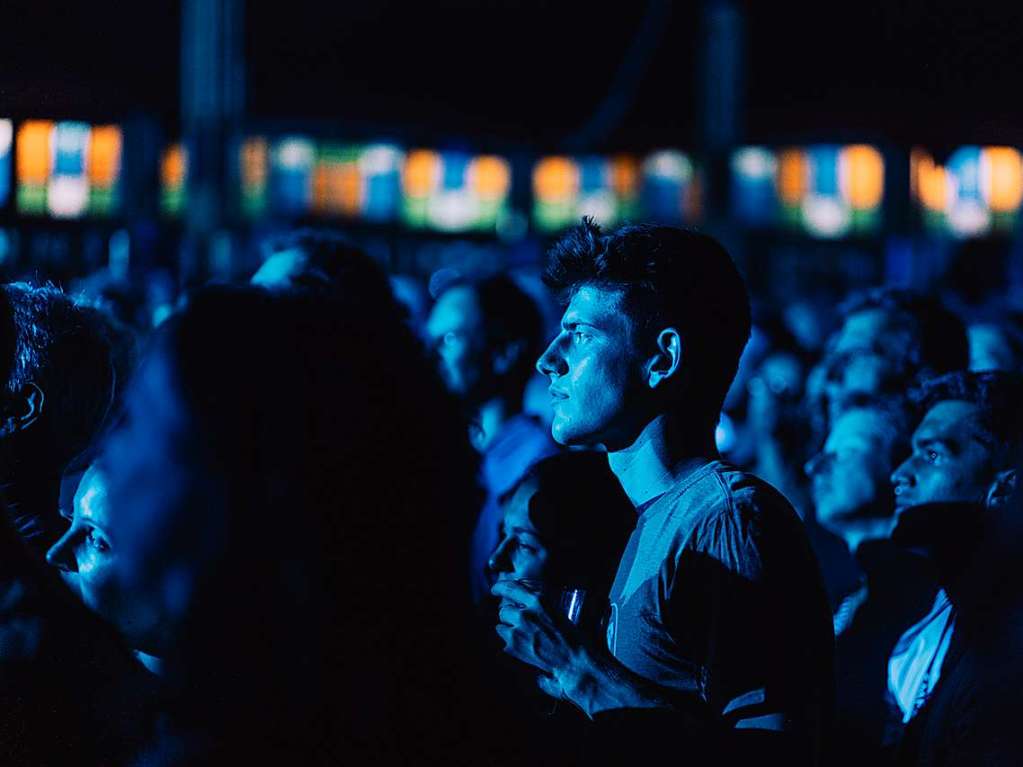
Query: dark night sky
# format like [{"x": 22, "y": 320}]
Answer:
[{"x": 531, "y": 73}]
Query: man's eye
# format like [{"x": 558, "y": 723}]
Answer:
[
  {"x": 579, "y": 335},
  {"x": 97, "y": 541},
  {"x": 933, "y": 456}
]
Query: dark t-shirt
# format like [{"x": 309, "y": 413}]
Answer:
[{"x": 718, "y": 596}]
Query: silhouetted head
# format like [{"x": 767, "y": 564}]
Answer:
[
  {"x": 324, "y": 263},
  {"x": 289, "y": 485}
]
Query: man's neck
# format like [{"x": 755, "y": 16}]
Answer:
[
  {"x": 664, "y": 453},
  {"x": 489, "y": 418}
]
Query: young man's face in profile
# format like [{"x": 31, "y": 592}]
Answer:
[
  {"x": 594, "y": 372},
  {"x": 951, "y": 461}
]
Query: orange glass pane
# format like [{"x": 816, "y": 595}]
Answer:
[
  {"x": 255, "y": 159},
  {"x": 173, "y": 167},
  {"x": 862, "y": 176},
  {"x": 555, "y": 179},
  {"x": 422, "y": 173},
  {"x": 624, "y": 175},
  {"x": 490, "y": 177},
  {"x": 792, "y": 176},
  {"x": 1003, "y": 172},
  {"x": 33, "y": 151},
  {"x": 104, "y": 155}
]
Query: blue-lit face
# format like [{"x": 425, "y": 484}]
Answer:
[
  {"x": 850, "y": 475},
  {"x": 163, "y": 508},
  {"x": 455, "y": 331},
  {"x": 88, "y": 553},
  {"x": 867, "y": 353},
  {"x": 950, "y": 460},
  {"x": 597, "y": 393},
  {"x": 991, "y": 349},
  {"x": 521, "y": 553}
]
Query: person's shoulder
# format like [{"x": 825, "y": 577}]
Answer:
[
  {"x": 727, "y": 489},
  {"x": 722, "y": 502},
  {"x": 753, "y": 498}
]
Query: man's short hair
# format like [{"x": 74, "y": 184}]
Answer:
[
  {"x": 667, "y": 277},
  {"x": 942, "y": 345},
  {"x": 64, "y": 350},
  {"x": 999, "y": 397}
]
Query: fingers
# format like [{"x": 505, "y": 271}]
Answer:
[
  {"x": 516, "y": 592},
  {"x": 549, "y": 686}
]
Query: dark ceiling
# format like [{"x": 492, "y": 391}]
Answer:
[{"x": 533, "y": 74}]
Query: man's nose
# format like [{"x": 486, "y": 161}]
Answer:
[
  {"x": 902, "y": 476},
  {"x": 61, "y": 554},
  {"x": 551, "y": 362}
]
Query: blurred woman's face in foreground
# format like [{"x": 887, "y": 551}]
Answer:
[
  {"x": 88, "y": 554},
  {"x": 160, "y": 500},
  {"x": 522, "y": 553}
]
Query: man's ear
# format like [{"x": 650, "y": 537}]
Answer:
[
  {"x": 1002, "y": 489},
  {"x": 508, "y": 356},
  {"x": 666, "y": 359},
  {"x": 23, "y": 409}
]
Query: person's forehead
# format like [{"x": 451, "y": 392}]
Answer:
[
  {"x": 858, "y": 427},
  {"x": 593, "y": 303},
  {"x": 948, "y": 418},
  {"x": 456, "y": 307},
  {"x": 863, "y": 327},
  {"x": 516, "y": 509}
]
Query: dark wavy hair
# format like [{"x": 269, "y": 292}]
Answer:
[
  {"x": 941, "y": 346},
  {"x": 998, "y": 396},
  {"x": 67, "y": 352},
  {"x": 667, "y": 277}
]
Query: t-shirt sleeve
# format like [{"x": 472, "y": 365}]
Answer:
[
  {"x": 709, "y": 594},
  {"x": 741, "y": 594}
]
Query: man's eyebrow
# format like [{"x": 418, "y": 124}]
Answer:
[
  {"x": 572, "y": 324},
  {"x": 936, "y": 441},
  {"x": 526, "y": 530}
]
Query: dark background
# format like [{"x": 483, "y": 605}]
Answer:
[{"x": 533, "y": 73}]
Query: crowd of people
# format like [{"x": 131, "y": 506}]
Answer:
[{"x": 298, "y": 522}]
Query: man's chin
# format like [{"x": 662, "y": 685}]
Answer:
[{"x": 565, "y": 435}]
